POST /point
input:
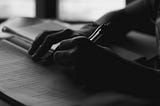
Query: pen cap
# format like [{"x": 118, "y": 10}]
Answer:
[{"x": 105, "y": 27}]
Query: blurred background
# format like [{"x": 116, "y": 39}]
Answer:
[{"x": 66, "y": 10}]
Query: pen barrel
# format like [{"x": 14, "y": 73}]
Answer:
[{"x": 99, "y": 32}]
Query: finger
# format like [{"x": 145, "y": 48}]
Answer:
[
  {"x": 39, "y": 39},
  {"x": 70, "y": 43},
  {"x": 48, "y": 42},
  {"x": 65, "y": 57},
  {"x": 65, "y": 44}
]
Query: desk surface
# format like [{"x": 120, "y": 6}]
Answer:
[
  {"x": 137, "y": 45},
  {"x": 32, "y": 83}
]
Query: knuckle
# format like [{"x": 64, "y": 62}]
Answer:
[
  {"x": 47, "y": 32},
  {"x": 48, "y": 42},
  {"x": 38, "y": 36},
  {"x": 68, "y": 31},
  {"x": 66, "y": 41},
  {"x": 42, "y": 34},
  {"x": 81, "y": 40},
  {"x": 50, "y": 38}
]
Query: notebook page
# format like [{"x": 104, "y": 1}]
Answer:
[
  {"x": 32, "y": 27},
  {"x": 33, "y": 84}
]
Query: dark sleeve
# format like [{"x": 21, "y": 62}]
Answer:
[
  {"x": 141, "y": 15},
  {"x": 135, "y": 16},
  {"x": 154, "y": 8}
]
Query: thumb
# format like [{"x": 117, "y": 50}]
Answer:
[{"x": 71, "y": 42}]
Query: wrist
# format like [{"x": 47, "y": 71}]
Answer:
[{"x": 87, "y": 30}]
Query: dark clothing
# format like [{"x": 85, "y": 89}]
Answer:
[
  {"x": 140, "y": 15},
  {"x": 115, "y": 73}
]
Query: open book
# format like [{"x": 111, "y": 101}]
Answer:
[{"x": 28, "y": 82}]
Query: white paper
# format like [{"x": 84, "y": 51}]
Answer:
[{"x": 31, "y": 28}]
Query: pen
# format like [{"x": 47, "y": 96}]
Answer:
[
  {"x": 9, "y": 30},
  {"x": 98, "y": 32}
]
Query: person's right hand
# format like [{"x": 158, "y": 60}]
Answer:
[{"x": 44, "y": 41}]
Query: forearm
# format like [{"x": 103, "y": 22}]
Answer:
[
  {"x": 134, "y": 17},
  {"x": 139, "y": 77},
  {"x": 114, "y": 18},
  {"x": 117, "y": 28}
]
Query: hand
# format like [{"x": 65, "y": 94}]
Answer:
[
  {"x": 44, "y": 41},
  {"x": 76, "y": 51}
]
